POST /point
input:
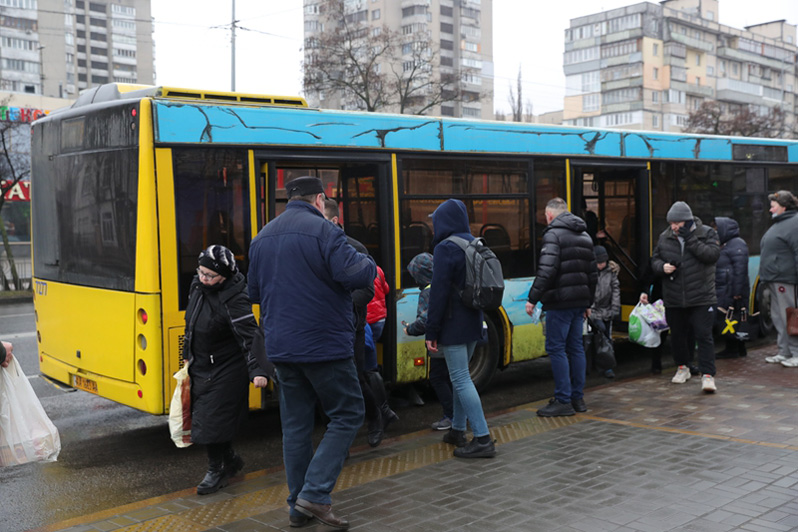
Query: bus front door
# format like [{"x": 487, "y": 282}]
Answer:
[{"x": 614, "y": 201}]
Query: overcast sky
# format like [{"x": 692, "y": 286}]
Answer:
[{"x": 192, "y": 42}]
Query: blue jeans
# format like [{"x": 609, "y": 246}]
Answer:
[
  {"x": 566, "y": 352},
  {"x": 467, "y": 405},
  {"x": 312, "y": 476}
]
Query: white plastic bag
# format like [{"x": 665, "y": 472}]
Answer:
[
  {"x": 640, "y": 331},
  {"x": 26, "y": 433},
  {"x": 180, "y": 409}
]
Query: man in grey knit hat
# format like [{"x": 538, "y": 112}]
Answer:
[{"x": 685, "y": 257}]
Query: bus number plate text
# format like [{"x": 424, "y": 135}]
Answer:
[{"x": 84, "y": 384}]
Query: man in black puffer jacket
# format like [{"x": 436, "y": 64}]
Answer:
[
  {"x": 685, "y": 257},
  {"x": 565, "y": 284}
]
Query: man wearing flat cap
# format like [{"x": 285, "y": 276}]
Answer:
[
  {"x": 777, "y": 269},
  {"x": 685, "y": 257},
  {"x": 302, "y": 272}
]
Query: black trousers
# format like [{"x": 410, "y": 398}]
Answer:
[{"x": 698, "y": 320}]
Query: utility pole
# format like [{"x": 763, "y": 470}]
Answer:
[{"x": 233, "y": 50}]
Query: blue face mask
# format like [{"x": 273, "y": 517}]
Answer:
[{"x": 774, "y": 214}]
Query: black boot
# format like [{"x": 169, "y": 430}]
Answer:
[
  {"x": 375, "y": 430},
  {"x": 378, "y": 389},
  {"x": 741, "y": 349},
  {"x": 233, "y": 463},
  {"x": 214, "y": 479}
]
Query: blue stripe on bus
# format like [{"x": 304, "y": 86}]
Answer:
[{"x": 180, "y": 122}]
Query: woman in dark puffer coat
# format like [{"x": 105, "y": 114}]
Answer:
[
  {"x": 731, "y": 278},
  {"x": 224, "y": 348}
]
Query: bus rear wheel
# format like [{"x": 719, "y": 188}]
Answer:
[{"x": 485, "y": 360}]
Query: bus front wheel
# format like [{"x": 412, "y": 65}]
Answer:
[{"x": 485, "y": 360}]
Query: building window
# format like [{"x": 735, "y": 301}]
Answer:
[
  {"x": 447, "y": 111},
  {"x": 656, "y": 50},
  {"x": 375, "y": 15},
  {"x": 447, "y": 27},
  {"x": 470, "y": 112},
  {"x": 697, "y": 60},
  {"x": 471, "y": 46},
  {"x": 698, "y": 80},
  {"x": 656, "y": 73},
  {"x": 655, "y": 97},
  {"x": 447, "y": 11},
  {"x": 19, "y": 4},
  {"x": 23, "y": 24},
  {"x": 591, "y": 102},
  {"x": 710, "y": 71},
  {"x": 447, "y": 61},
  {"x": 581, "y": 56},
  {"x": 655, "y": 121},
  {"x": 735, "y": 69},
  {"x": 447, "y": 45}
]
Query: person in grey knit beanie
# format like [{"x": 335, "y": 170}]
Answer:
[{"x": 679, "y": 212}]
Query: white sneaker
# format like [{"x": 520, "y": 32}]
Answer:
[
  {"x": 708, "y": 384},
  {"x": 775, "y": 359},
  {"x": 790, "y": 362},
  {"x": 682, "y": 375}
]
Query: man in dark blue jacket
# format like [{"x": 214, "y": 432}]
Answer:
[
  {"x": 453, "y": 328},
  {"x": 565, "y": 284},
  {"x": 302, "y": 272}
]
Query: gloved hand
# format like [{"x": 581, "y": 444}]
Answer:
[{"x": 685, "y": 232}]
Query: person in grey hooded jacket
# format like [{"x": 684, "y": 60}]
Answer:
[{"x": 778, "y": 269}]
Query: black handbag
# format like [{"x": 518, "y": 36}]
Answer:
[
  {"x": 736, "y": 323},
  {"x": 603, "y": 349}
]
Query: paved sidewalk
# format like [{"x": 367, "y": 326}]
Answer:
[{"x": 648, "y": 456}]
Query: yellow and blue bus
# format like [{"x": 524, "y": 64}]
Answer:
[{"x": 131, "y": 182}]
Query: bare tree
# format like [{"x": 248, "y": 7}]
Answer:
[
  {"x": 515, "y": 100},
  {"x": 345, "y": 59},
  {"x": 14, "y": 167},
  {"x": 713, "y": 119},
  {"x": 373, "y": 68}
]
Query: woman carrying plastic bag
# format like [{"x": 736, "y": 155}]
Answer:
[{"x": 26, "y": 433}]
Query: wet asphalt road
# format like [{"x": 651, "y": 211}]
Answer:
[{"x": 114, "y": 455}]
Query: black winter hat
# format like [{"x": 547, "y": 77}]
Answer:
[
  {"x": 601, "y": 254},
  {"x": 220, "y": 260},
  {"x": 303, "y": 186}
]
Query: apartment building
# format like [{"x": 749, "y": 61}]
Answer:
[
  {"x": 647, "y": 66},
  {"x": 461, "y": 32},
  {"x": 56, "y": 48}
]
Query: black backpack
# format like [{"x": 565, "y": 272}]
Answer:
[{"x": 484, "y": 284}]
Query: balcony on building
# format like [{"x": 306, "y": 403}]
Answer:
[
  {"x": 726, "y": 52},
  {"x": 734, "y": 90},
  {"x": 693, "y": 89},
  {"x": 635, "y": 57}
]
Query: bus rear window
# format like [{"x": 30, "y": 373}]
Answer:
[{"x": 84, "y": 219}]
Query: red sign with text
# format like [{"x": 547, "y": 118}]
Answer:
[{"x": 17, "y": 192}]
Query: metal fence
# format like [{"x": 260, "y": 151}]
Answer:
[{"x": 20, "y": 252}]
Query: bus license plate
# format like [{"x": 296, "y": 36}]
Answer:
[{"x": 83, "y": 383}]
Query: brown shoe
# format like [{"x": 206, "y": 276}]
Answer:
[{"x": 322, "y": 512}]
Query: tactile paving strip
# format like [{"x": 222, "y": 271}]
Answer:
[{"x": 230, "y": 509}]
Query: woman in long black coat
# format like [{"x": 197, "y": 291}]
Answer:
[{"x": 224, "y": 348}]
